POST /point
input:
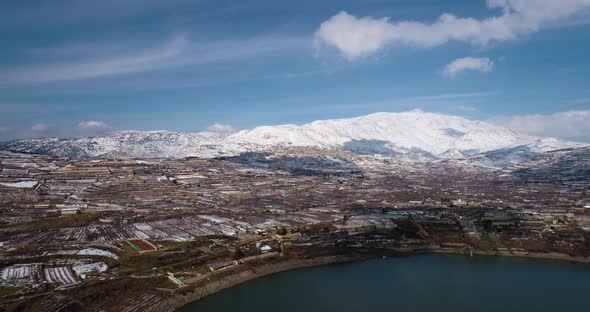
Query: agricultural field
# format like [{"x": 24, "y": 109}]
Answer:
[
  {"x": 21, "y": 275},
  {"x": 60, "y": 276},
  {"x": 204, "y": 212},
  {"x": 142, "y": 245}
]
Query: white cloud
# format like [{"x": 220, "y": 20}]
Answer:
[
  {"x": 39, "y": 128},
  {"x": 93, "y": 126},
  {"x": 357, "y": 37},
  {"x": 105, "y": 65},
  {"x": 86, "y": 61},
  {"x": 482, "y": 64},
  {"x": 34, "y": 131},
  {"x": 465, "y": 108},
  {"x": 581, "y": 101},
  {"x": 84, "y": 128},
  {"x": 220, "y": 128},
  {"x": 569, "y": 124}
]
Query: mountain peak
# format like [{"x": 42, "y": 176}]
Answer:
[{"x": 416, "y": 130}]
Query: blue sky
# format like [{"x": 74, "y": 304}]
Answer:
[{"x": 71, "y": 68}]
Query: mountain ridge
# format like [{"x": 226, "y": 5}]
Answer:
[{"x": 414, "y": 135}]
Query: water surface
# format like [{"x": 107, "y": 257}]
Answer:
[{"x": 414, "y": 284}]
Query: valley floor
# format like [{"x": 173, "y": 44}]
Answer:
[{"x": 135, "y": 235}]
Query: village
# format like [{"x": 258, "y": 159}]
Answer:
[{"x": 75, "y": 230}]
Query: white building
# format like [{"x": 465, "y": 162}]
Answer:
[{"x": 74, "y": 210}]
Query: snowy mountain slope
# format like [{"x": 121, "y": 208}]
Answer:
[
  {"x": 416, "y": 132},
  {"x": 124, "y": 144},
  {"x": 414, "y": 135},
  {"x": 571, "y": 165},
  {"x": 513, "y": 155}
]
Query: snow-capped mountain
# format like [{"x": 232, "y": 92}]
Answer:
[
  {"x": 415, "y": 132},
  {"x": 414, "y": 135}
]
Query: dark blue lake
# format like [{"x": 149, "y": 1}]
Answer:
[{"x": 414, "y": 284}]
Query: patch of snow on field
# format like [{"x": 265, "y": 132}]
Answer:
[
  {"x": 20, "y": 274},
  {"x": 143, "y": 227},
  {"x": 60, "y": 276},
  {"x": 97, "y": 252},
  {"x": 61, "y": 253},
  {"x": 214, "y": 219},
  {"x": 21, "y": 184},
  {"x": 84, "y": 252},
  {"x": 96, "y": 267}
]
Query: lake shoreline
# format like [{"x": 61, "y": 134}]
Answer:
[
  {"x": 528, "y": 255},
  {"x": 177, "y": 301},
  {"x": 216, "y": 284}
]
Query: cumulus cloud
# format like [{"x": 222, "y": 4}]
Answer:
[
  {"x": 93, "y": 127},
  {"x": 220, "y": 128},
  {"x": 357, "y": 37},
  {"x": 570, "y": 124},
  {"x": 482, "y": 64}
]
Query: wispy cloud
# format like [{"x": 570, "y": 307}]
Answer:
[
  {"x": 137, "y": 61},
  {"x": 482, "y": 64},
  {"x": 80, "y": 62},
  {"x": 569, "y": 124},
  {"x": 220, "y": 128},
  {"x": 64, "y": 12},
  {"x": 50, "y": 129},
  {"x": 4, "y": 131},
  {"x": 38, "y": 130},
  {"x": 465, "y": 108},
  {"x": 357, "y": 37},
  {"x": 444, "y": 102},
  {"x": 450, "y": 96},
  {"x": 581, "y": 101},
  {"x": 36, "y": 108},
  {"x": 7, "y": 133}
]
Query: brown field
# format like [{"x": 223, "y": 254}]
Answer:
[{"x": 143, "y": 245}]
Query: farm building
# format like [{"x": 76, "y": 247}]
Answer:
[
  {"x": 68, "y": 211},
  {"x": 222, "y": 266}
]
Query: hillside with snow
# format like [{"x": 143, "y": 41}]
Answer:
[
  {"x": 414, "y": 135},
  {"x": 123, "y": 144},
  {"x": 415, "y": 132}
]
